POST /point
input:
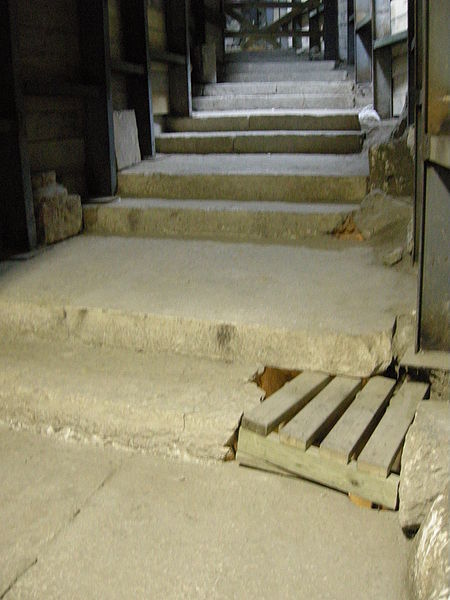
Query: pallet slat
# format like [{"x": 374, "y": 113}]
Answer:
[
  {"x": 284, "y": 403},
  {"x": 321, "y": 413},
  {"x": 310, "y": 465},
  {"x": 382, "y": 448},
  {"x": 351, "y": 432}
]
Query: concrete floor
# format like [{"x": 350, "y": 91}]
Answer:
[
  {"x": 82, "y": 522},
  {"x": 325, "y": 305}
]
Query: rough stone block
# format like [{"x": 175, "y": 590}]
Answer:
[
  {"x": 379, "y": 211},
  {"x": 429, "y": 569},
  {"x": 126, "y": 139},
  {"x": 42, "y": 180},
  {"x": 58, "y": 217},
  {"x": 425, "y": 463},
  {"x": 391, "y": 168}
]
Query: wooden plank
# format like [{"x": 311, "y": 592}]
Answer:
[
  {"x": 247, "y": 460},
  {"x": 282, "y": 405},
  {"x": 351, "y": 432},
  {"x": 321, "y": 413},
  {"x": 381, "y": 450},
  {"x": 310, "y": 465}
]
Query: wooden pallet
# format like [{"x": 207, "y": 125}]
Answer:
[{"x": 338, "y": 431}]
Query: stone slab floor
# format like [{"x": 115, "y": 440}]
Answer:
[{"x": 83, "y": 522}]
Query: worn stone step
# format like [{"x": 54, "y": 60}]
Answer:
[
  {"x": 274, "y": 55},
  {"x": 163, "y": 403},
  {"x": 261, "y": 76},
  {"x": 310, "y": 306},
  {"x": 282, "y": 87},
  {"x": 311, "y": 142},
  {"x": 306, "y": 178},
  {"x": 273, "y": 101},
  {"x": 318, "y": 66},
  {"x": 214, "y": 219},
  {"x": 300, "y": 120}
]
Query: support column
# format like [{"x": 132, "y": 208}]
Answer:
[
  {"x": 17, "y": 223},
  {"x": 177, "y": 27},
  {"x": 96, "y": 67},
  {"x": 331, "y": 29},
  {"x": 135, "y": 31},
  {"x": 382, "y": 60}
]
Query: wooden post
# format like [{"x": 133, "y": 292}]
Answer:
[
  {"x": 331, "y": 30},
  {"x": 177, "y": 27},
  {"x": 96, "y": 67},
  {"x": 17, "y": 223},
  {"x": 382, "y": 59},
  {"x": 136, "y": 42}
]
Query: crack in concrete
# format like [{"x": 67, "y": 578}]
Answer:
[
  {"x": 18, "y": 576},
  {"x": 71, "y": 519}
]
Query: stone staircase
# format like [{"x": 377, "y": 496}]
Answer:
[
  {"x": 145, "y": 331},
  {"x": 252, "y": 162}
]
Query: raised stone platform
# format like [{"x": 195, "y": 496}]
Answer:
[
  {"x": 267, "y": 120},
  {"x": 245, "y": 142},
  {"x": 309, "y": 178},
  {"x": 325, "y": 306},
  {"x": 214, "y": 219}
]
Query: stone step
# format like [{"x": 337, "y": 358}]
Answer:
[
  {"x": 214, "y": 219},
  {"x": 315, "y": 306},
  {"x": 309, "y": 178},
  {"x": 311, "y": 142},
  {"x": 282, "y": 87},
  {"x": 264, "y": 76},
  {"x": 275, "y": 55},
  {"x": 274, "y": 101},
  {"x": 162, "y": 403},
  {"x": 318, "y": 66},
  {"x": 303, "y": 120}
]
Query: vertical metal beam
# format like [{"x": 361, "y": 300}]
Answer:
[
  {"x": 177, "y": 27},
  {"x": 411, "y": 62},
  {"x": 433, "y": 203},
  {"x": 96, "y": 67},
  {"x": 17, "y": 223},
  {"x": 331, "y": 29},
  {"x": 136, "y": 42}
]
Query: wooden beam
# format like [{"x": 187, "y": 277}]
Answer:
[
  {"x": 354, "y": 428},
  {"x": 319, "y": 415},
  {"x": 17, "y": 223},
  {"x": 382, "y": 448},
  {"x": 284, "y": 403},
  {"x": 101, "y": 171},
  {"x": 331, "y": 30},
  {"x": 135, "y": 34},
  {"x": 310, "y": 465},
  {"x": 177, "y": 28}
]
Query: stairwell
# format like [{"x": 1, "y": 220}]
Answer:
[
  {"x": 215, "y": 261},
  {"x": 286, "y": 141}
]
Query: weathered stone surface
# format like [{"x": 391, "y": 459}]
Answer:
[
  {"x": 126, "y": 139},
  {"x": 429, "y": 570},
  {"x": 425, "y": 463},
  {"x": 379, "y": 211},
  {"x": 41, "y": 180},
  {"x": 391, "y": 168},
  {"x": 58, "y": 217},
  {"x": 393, "y": 257}
]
